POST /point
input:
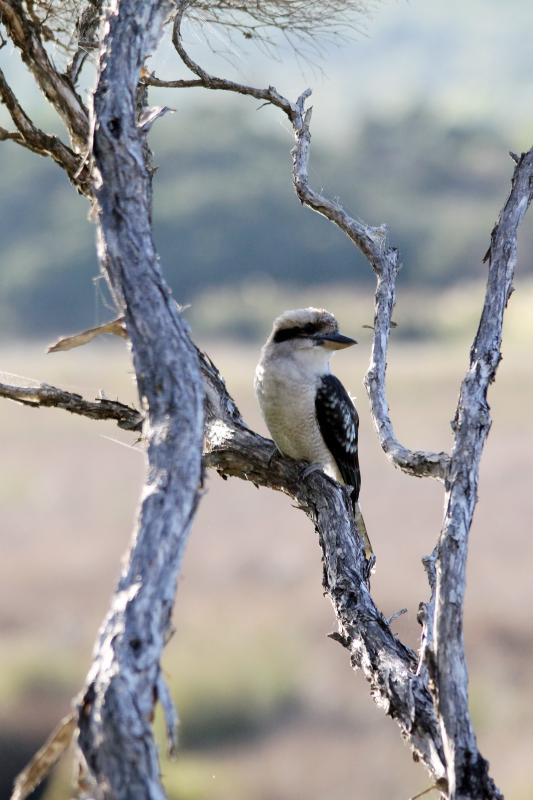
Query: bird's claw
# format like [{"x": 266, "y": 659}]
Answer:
[
  {"x": 309, "y": 470},
  {"x": 275, "y": 452}
]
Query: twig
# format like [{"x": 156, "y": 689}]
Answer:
[
  {"x": 31, "y": 137},
  {"x": 46, "y": 396},
  {"x": 45, "y": 758},
  {"x": 57, "y": 89}
]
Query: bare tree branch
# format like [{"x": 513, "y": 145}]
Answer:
[
  {"x": 45, "y": 396},
  {"x": 445, "y": 654},
  {"x": 58, "y": 89},
  {"x": 31, "y": 137},
  {"x": 86, "y": 36},
  {"x": 123, "y": 685},
  {"x": 419, "y": 463},
  {"x": 45, "y": 758},
  {"x": 269, "y": 95}
]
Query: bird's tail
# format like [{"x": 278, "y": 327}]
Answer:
[{"x": 361, "y": 528}]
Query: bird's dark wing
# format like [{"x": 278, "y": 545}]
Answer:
[{"x": 339, "y": 425}]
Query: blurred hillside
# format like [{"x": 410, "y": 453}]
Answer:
[
  {"x": 226, "y": 214},
  {"x": 412, "y": 124}
]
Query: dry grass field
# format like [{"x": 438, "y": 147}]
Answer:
[{"x": 270, "y": 708}]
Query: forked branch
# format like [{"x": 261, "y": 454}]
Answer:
[
  {"x": 31, "y": 137},
  {"x": 370, "y": 240},
  {"x": 57, "y": 88}
]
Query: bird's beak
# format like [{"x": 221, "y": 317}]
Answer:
[{"x": 336, "y": 341}]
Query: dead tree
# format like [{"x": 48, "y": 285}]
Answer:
[{"x": 185, "y": 410}]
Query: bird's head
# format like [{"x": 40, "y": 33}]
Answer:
[
  {"x": 307, "y": 337},
  {"x": 309, "y": 328}
]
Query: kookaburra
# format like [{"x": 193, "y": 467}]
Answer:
[{"x": 308, "y": 412}]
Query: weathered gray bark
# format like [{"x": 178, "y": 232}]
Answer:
[
  {"x": 467, "y": 769},
  {"x": 115, "y": 731},
  {"x": 57, "y": 88},
  {"x": 60, "y": 93}
]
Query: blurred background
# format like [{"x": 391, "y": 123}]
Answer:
[{"x": 413, "y": 120}]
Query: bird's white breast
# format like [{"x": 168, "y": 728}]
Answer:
[{"x": 286, "y": 391}]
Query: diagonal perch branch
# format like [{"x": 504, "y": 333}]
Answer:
[{"x": 233, "y": 449}]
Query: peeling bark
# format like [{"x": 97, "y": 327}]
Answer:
[{"x": 123, "y": 686}]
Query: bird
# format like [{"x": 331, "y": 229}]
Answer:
[{"x": 307, "y": 410}]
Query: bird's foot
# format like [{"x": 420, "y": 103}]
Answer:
[
  {"x": 309, "y": 470},
  {"x": 275, "y": 452}
]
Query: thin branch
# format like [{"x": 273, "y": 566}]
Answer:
[
  {"x": 305, "y": 19},
  {"x": 419, "y": 463},
  {"x": 371, "y": 241},
  {"x": 149, "y": 79},
  {"x": 12, "y": 136},
  {"x": 86, "y": 37},
  {"x": 57, "y": 88},
  {"x": 269, "y": 95},
  {"x": 31, "y": 137},
  {"x": 73, "y": 25},
  {"x": 45, "y": 396},
  {"x": 45, "y": 758}
]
